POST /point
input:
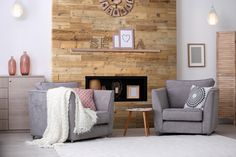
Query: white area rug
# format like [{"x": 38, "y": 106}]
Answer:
[{"x": 152, "y": 146}]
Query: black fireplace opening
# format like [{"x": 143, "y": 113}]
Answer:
[{"x": 126, "y": 88}]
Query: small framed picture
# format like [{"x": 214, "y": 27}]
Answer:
[
  {"x": 196, "y": 55},
  {"x": 133, "y": 92},
  {"x": 127, "y": 38},
  {"x": 116, "y": 41}
]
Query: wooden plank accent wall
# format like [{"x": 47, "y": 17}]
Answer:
[{"x": 75, "y": 23}]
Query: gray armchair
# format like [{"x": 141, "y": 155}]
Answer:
[
  {"x": 38, "y": 114},
  {"x": 170, "y": 115}
]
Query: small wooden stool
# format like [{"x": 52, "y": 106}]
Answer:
[{"x": 145, "y": 119}]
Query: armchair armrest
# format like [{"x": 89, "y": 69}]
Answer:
[
  {"x": 104, "y": 100},
  {"x": 210, "y": 111},
  {"x": 160, "y": 99},
  {"x": 159, "y": 102}
]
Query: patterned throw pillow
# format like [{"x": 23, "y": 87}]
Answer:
[
  {"x": 86, "y": 97},
  {"x": 197, "y": 97}
]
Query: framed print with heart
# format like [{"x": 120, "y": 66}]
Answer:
[{"x": 127, "y": 38}]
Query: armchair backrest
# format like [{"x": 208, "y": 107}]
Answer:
[
  {"x": 103, "y": 99},
  {"x": 178, "y": 90},
  {"x": 50, "y": 85}
]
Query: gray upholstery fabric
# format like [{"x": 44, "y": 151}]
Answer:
[
  {"x": 96, "y": 131},
  {"x": 159, "y": 102},
  {"x": 176, "y": 114},
  {"x": 99, "y": 129},
  {"x": 104, "y": 101},
  {"x": 210, "y": 115},
  {"x": 49, "y": 85},
  {"x": 101, "y": 98},
  {"x": 37, "y": 111},
  {"x": 103, "y": 117},
  {"x": 38, "y": 114},
  {"x": 169, "y": 119},
  {"x": 178, "y": 90},
  {"x": 182, "y": 127}
]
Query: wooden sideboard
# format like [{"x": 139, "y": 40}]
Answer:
[{"x": 14, "y": 101}]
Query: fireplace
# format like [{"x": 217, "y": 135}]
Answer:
[{"x": 126, "y": 88}]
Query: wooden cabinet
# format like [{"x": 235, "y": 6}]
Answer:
[
  {"x": 4, "y": 103},
  {"x": 226, "y": 75},
  {"x": 14, "y": 101}
]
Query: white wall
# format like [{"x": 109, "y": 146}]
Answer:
[
  {"x": 192, "y": 27},
  {"x": 33, "y": 34}
]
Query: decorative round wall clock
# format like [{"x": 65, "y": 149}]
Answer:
[{"x": 117, "y": 8}]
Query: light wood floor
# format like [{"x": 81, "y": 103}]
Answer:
[{"x": 13, "y": 144}]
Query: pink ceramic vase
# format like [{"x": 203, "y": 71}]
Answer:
[
  {"x": 12, "y": 66},
  {"x": 25, "y": 64}
]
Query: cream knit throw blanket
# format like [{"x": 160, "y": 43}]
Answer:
[{"x": 57, "y": 130}]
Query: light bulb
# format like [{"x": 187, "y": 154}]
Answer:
[
  {"x": 212, "y": 17},
  {"x": 17, "y": 10}
]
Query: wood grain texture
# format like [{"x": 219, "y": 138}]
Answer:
[
  {"x": 226, "y": 74},
  {"x": 77, "y": 51},
  {"x": 4, "y": 125},
  {"x": 4, "y": 82},
  {"x": 3, "y": 93},
  {"x": 3, "y": 103},
  {"x": 75, "y": 23},
  {"x": 18, "y": 102},
  {"x": 3, "y": 114}
]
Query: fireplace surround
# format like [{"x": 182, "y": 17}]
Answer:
[{"x": 126, "y": 88}]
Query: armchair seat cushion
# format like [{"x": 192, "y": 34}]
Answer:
[
  {"x": 177, "y": 114},
  {"x": 103, "y": 117}
]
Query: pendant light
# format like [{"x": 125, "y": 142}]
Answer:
[
  {"x": 212, "y": 16},
  {"x": 17, "y": 10}
]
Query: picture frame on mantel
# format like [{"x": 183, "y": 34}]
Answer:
[
  {"x": 196, "y": 55},
  {"x": 133, "y": 91},
  {"x": 127, "y": 38},
  {"x": 116, "y": 41}
]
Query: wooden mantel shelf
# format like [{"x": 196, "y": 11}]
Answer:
[{"x": 78, "y": 50}]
